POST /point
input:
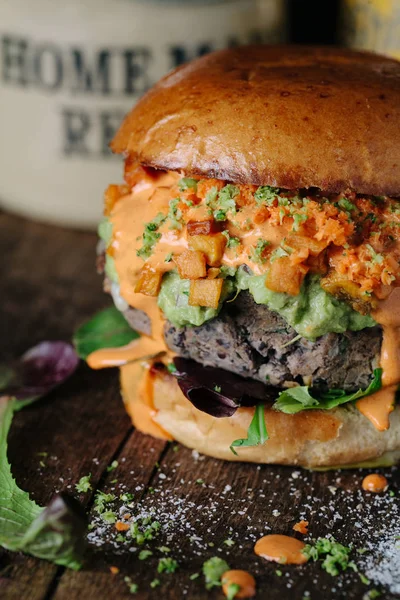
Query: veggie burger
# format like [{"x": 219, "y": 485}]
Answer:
[{"x": 254, "y": 246}]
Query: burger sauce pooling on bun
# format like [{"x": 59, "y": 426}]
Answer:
[
  {"x": 150, "y": 196},
  {"x": 378, "y": 406}
]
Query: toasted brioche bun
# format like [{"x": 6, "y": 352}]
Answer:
[
  {"x": 312, "y": 438},
  {"x": 292, "y": 117}
]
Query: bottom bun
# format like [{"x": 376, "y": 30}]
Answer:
[{"x": 341, "y": 437}]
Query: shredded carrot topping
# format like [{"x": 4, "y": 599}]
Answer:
[
  {"x": 350, "y": 240},
  {"x": 301, "y": 527}
]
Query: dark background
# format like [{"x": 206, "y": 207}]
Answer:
[{"x": 313, "y": 21}]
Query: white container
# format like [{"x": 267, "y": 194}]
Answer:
[
  {"x": 372, "y": 25},
  {"x": 69, "y": 71}
]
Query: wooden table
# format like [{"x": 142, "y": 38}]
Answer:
[{"x": 48, "y": 287}]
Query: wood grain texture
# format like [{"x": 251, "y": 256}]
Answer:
[{"x": 48, "y": 285}]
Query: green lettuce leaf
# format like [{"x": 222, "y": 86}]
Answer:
[
  {"x": 299, "y": 398},
  {"x": 257, "y": 432},
  {"x": 107, "y": 329},
  {"x": 55, "y": 533}
]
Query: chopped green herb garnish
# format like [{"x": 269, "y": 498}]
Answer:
[
  {"x": 229, "y": 542},
  {"x": 217, "y": 388},
  {"x": 266, "y": 194},
  {"x": 211, "y": 196},
  {"x": 298, "y": 220},
  {"x": 143, "y": 530},
  {"x": 187, "y": 183},
  {"x": 372, "y": 595},
  {"x": 334, "y": 556},
  {"x": 346, "y": 204},
  {"x": 279, "y": 253},
  {"x": 213, "y": 569},
  {"x": 375, "y": 256},
  {"x": 143, "y": 554},
  {"x": 113, "y": 466},
  {"x": 101, "y": 500},
  {"x": 194, "y": 576},
  {"x": 175, "y": 214},
  {"x": 126, "y": 497},
  {"x": 278, "y": 572},
  {"x": 151, "y": 236},
  {"x": 168, "y": 258},
  {"x": 84, "y": 484},
  {"x": 226, "y": 197},
  {"x": 133, "y": 587},
  {"x": 364, "y": 579},
  {"x": 171, "y": 367},
  {"x": 258, "y": 252},
  {"x": 200, "y": 481},
  {"x": 164, "y": 549},
  {"x": 109, "y": 516},
  {"x": 222, "y": 202},
  {"x": 233, "y": 589},
  {"x": 220, "y": 215},
  {"x": 155, "y": 583},
  {"x": 167, "y": 565}
]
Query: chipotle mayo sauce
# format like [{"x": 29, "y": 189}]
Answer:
[
  {"x": 378, "y": 406},
  {"x": 245, "y": 581},
  {"x": 281, "y": 549},
  {"x": 149, "y": 198}
]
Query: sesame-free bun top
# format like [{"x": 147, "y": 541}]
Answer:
[{"x": 284, "y": 116}]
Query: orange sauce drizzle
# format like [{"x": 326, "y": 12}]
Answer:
[
  {"x": 281, "y": 548},
  {"x": 378, "y": 406},
  {"x": 150, "y": 197},
  {"x": 374, "y": 483},
  {"x": 137, "y": 383},
  {"x": 245, "y": 581}
]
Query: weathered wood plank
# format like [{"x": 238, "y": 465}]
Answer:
[
  {"x": 49, "y": 285},
  {"x": 240, "y": 503}
]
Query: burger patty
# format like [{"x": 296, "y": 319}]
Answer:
[{"x": 250, "y": 340}]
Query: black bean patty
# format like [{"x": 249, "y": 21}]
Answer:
[{"x": 250, "y": 340}]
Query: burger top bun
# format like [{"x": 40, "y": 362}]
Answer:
[{"x": 281, "y": 116}]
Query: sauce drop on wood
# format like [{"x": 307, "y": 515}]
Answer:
[
  {"x": 374, "y": 483},
  {"x": 281, "y": 549},
  {"x": 243, "y": 579}
]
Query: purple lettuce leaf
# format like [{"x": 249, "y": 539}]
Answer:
[
  {"x": 217, "y": 392},
  {"x": 38, "y": 371}
]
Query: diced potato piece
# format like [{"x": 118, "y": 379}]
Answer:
[
  {"x": 112, "y": 194},
  {"x": 212, "y": 246},
  {"x": 318, "y": 264},
  {"x": 341, "y": 287},
  {"x": 213, "y": 272},
  {"x": 285, "y": 277},
  {"x": 203, "y": 227},
  {"x": 205, "y": 292},
  {"x": 299, "y": 241},
  {"x": 149, "y": 282},
  {"x": 191, "y": 264}
]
